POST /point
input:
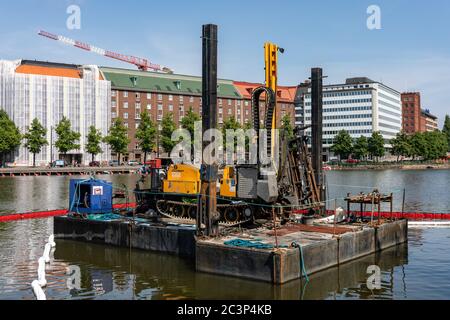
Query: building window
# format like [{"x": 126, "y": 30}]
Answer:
[
  {"x": 138, "y": 105},
  {"x": 126, "y": 124},
  {"x": 229, "y": 111},
  {"x": 137, "y": 126},
  {"x": 191, "y": 99},
  {"x": 125, "y": 94},
  {"x": 160, "y": 97},
  {"x": 181, "y": 99},
  {"x": 220, "y": 102},
  {"x": 114, "y": 103},
  {"x": 125, "y": 105},
  {"x": 229, "y": 102},
  {"x": 160, "y": 107},
  {"x": 170, "y": 107},
  {"x": 125, "y": 115},
  {"x": 138, "y": 96},
  {"x": 170, "y": 97},
  {"x": 149, "y": 96},
  {"x": 246, "y": 103},
  {"x": 114, "y": 115},
  {"x": 149, "y": 106},
  {"x": 113, "y": 93}
]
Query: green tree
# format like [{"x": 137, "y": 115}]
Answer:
[
  {"x": 188, "y": 122},
  {"x": 167, "y": 128},
  {"x": 35, "y": 138},
  {"x": 117, "y": 138},
  {"x": 287, "y": 128},
  {"x": 230, "y": 124},
  {"x": 437, "y": 145},
  {"x": 343, "y": 145},
  {"x": 361, "y": 148},
  {"x": 10, "y": 137},
  {"x": 418, "y": 145},
  {"x": 376, "y": 145},
  {"x": 146, "y": 134},
  {"x": 247, "y": 126},
  {"x": 67, "y": 139},
  {"x": 401, "y": 145},
  {"x": 446, "y": 130},
  {"x": 94, "y": 139}
]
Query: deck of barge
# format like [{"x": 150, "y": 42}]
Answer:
[{"x": 239, "y": 254}]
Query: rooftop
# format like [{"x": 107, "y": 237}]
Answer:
[
  {"x": 284, "y": 94},
  {"x": 45, "y": 68},
  {"x": 134, "y": 80}
]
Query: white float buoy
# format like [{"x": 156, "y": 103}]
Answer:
[
  {"x": 51, "y": 240},
  {"x": 41, "y": 273},
  {"x": 46, "y": 255},
  {"x": 38, "y": 292}
]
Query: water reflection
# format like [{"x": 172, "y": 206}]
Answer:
[{"x": 144, "y": 275}]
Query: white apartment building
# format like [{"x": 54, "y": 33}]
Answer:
[
  {"x": 360, "y": 106},
  {"x": 49, "y": 91}
]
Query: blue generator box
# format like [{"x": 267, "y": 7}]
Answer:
[{"x": 90, "y": 196}]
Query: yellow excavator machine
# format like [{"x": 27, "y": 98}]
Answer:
[{"x": 244, "y": 190}]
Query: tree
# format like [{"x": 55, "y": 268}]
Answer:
[
  {"x": 10, "y": 137},
  {"x": 230, "y": 124},
  {"x": 343, "y": 145},
  {"x": 167, "y": 128},
  {"x": 35, "y": 138},
  {"x": 117, "y": 138},
  {"x": 376, "y": 145},
  {"x": 146, "y": 134},
  {"x": 446, "y": 130},
  {"x": 437, "y": 145},
  {"x": 401, "y": 145},
  {"x": 361, "y": 148},
  {"x": 67, "y": 139},
  {"x": 94, "y": 138},
  {"x": 247, "y": 126},
  {"x": 188, "y": 122},
  {"x": 418, "y": 145},
  {"x": 287, "y": 128}
]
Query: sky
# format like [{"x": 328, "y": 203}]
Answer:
[{"x": 411, "y": 51}]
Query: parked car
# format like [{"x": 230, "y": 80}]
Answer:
[
  {"x": 59, "y": 164},
  {"x": 113, "y": 163},
  {"x": 352, "y": 161},
  {"x": 133, "y": 163},
  {"x": 94, "y": 164}
]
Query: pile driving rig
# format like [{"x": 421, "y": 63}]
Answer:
[{"x": 245, "y": 192}]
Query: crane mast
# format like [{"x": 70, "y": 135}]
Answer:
[{"x": 141, "y": 63}]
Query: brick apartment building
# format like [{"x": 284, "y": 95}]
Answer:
[
  {"x": 416, "y": 119},
  {"x": 133, "y": 92}
]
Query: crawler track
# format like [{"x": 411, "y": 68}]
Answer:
[{"x": 231, "y": 215}]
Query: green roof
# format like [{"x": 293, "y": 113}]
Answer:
[{"x": 131, "y": 80}]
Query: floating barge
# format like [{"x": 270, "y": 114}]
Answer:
[{"x": 260, "y": 254}]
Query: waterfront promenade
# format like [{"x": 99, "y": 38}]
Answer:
[{"x": 45, "y": 171}]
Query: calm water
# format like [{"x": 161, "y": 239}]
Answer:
[{"x": 417, "y": 270}]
